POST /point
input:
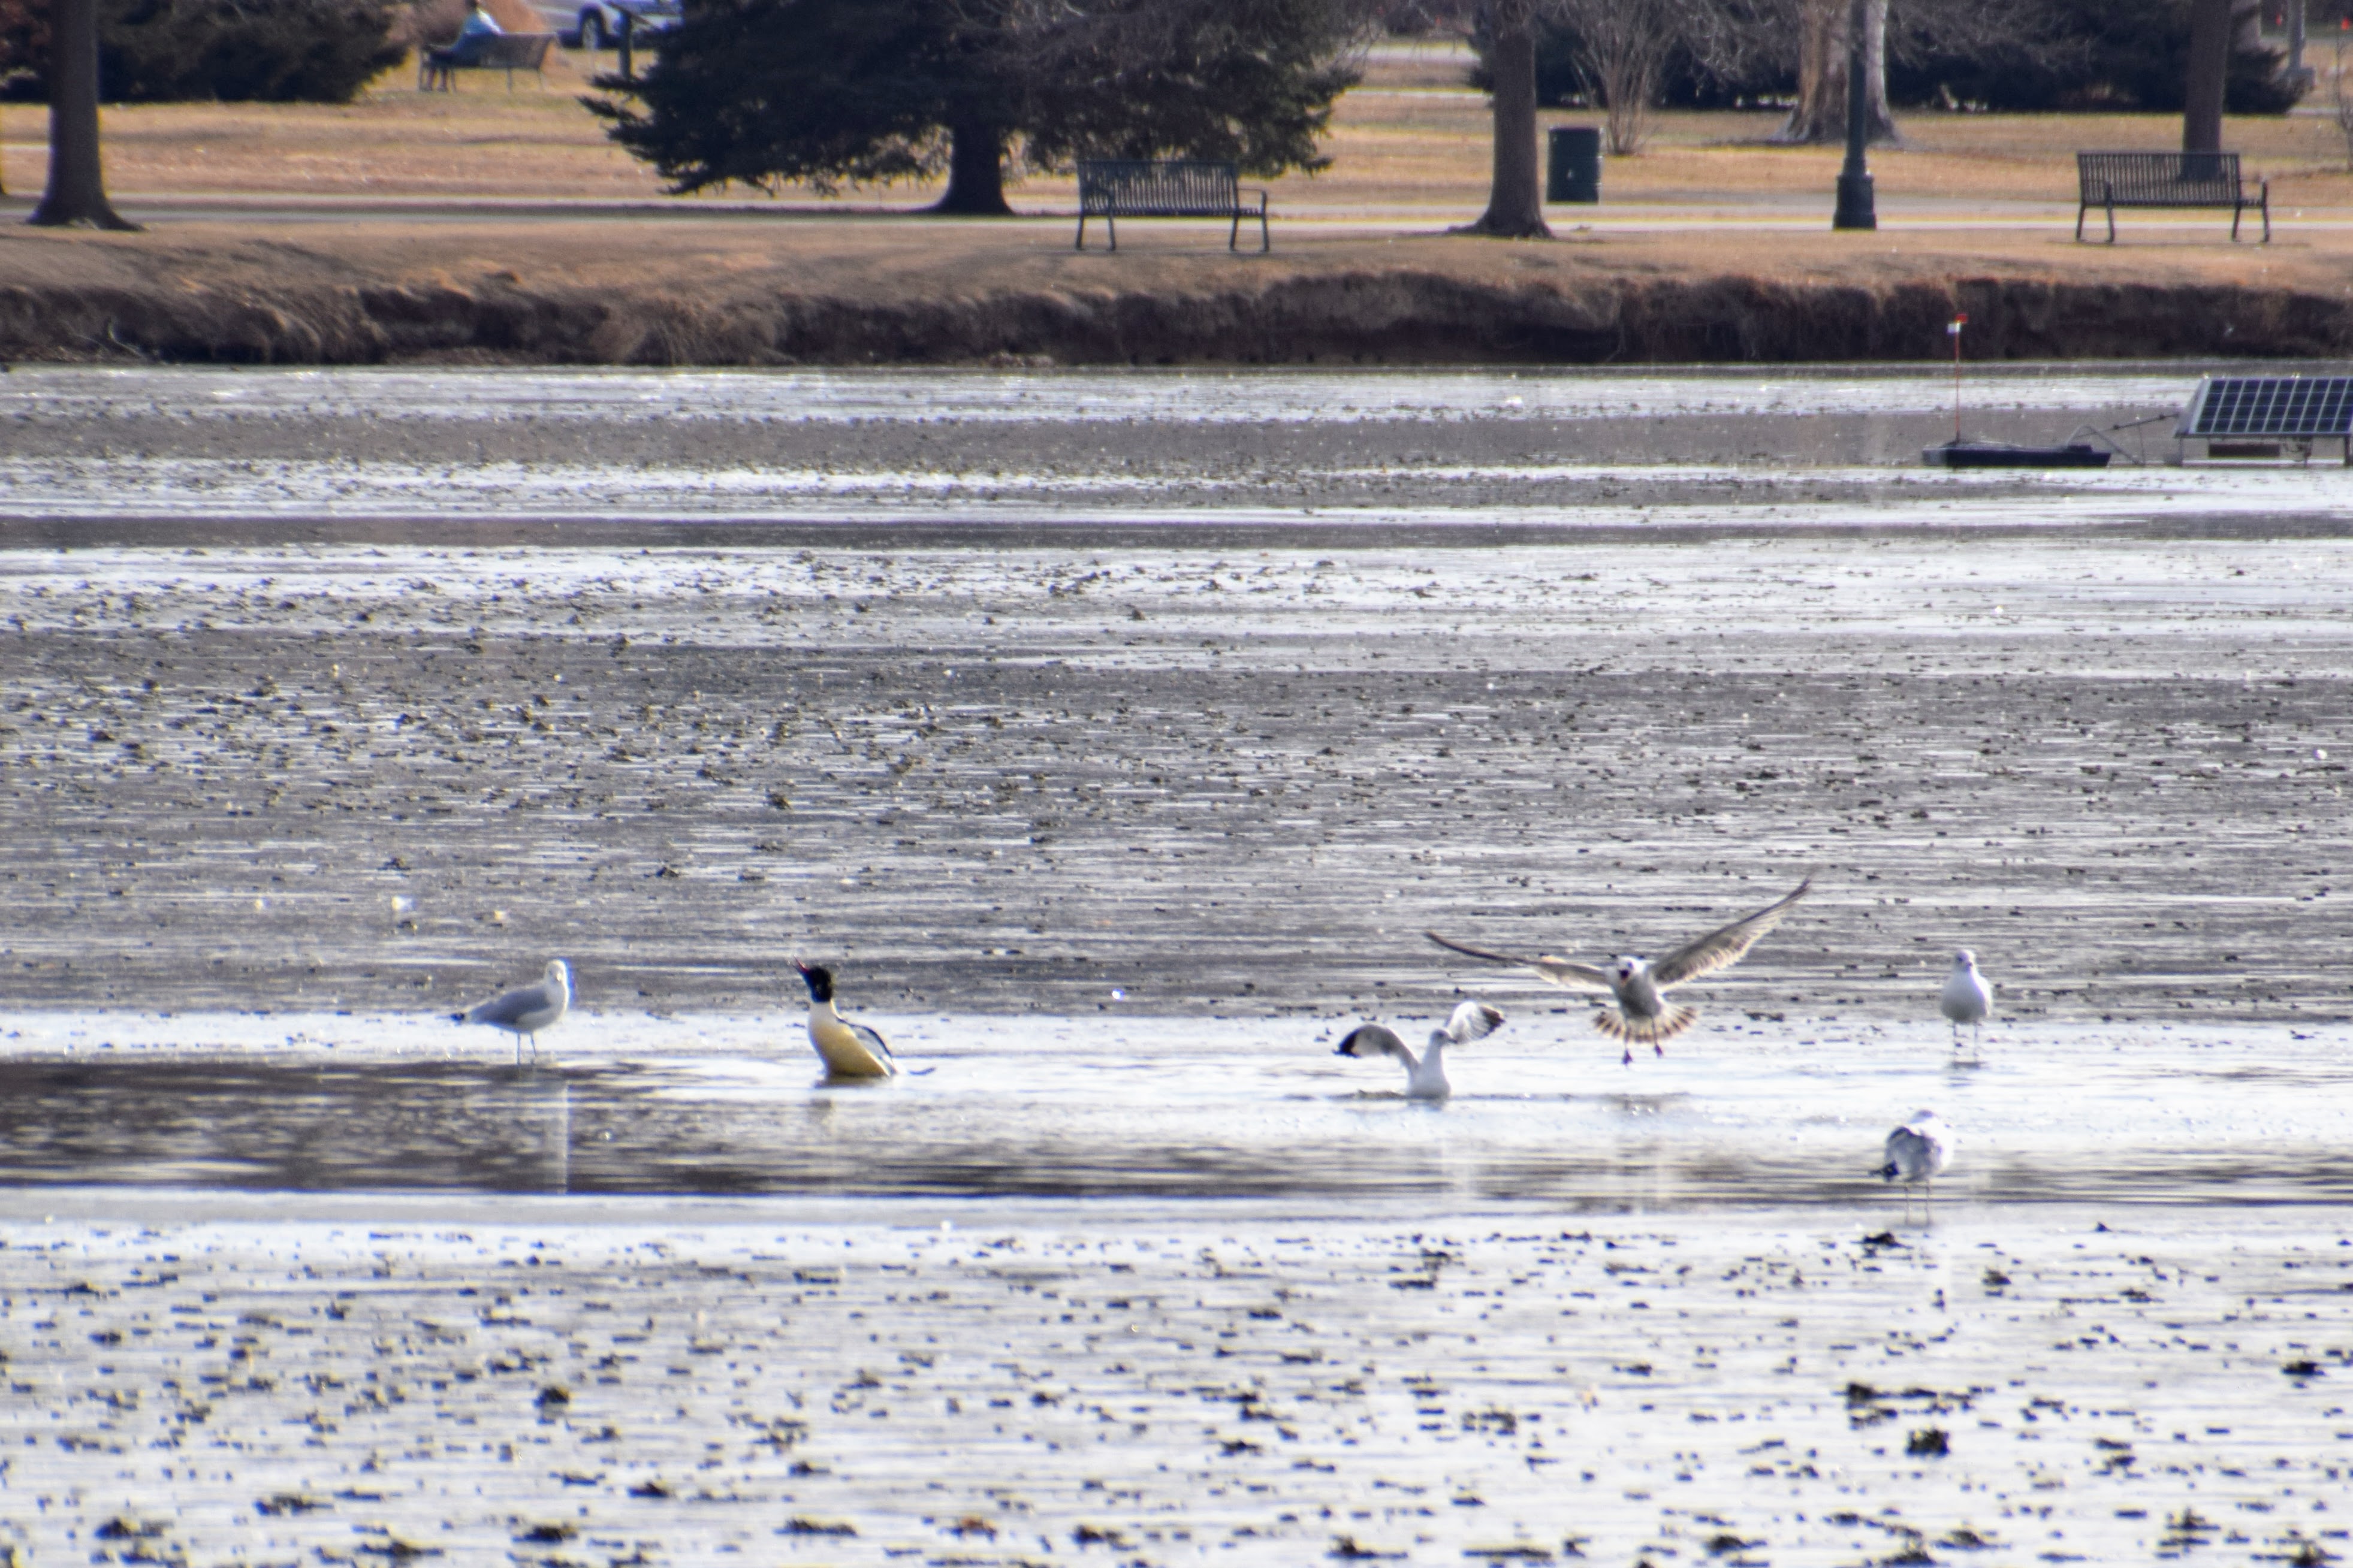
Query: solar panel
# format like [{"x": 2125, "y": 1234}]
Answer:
[{"x": 2275, "y": 405}]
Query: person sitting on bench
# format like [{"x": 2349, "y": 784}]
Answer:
[{"x": 478, "y": 23}]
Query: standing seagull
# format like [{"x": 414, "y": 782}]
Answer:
[
  {"x": 1425, "y": 1076},
  {"x": 1967, "y": 999},
  {"x": 1642, "y": 1015},
  {"x": 526, "y": 1010},
  {"x": 1918, "y": 1152},
  {"x": 850, "y": 1050}
]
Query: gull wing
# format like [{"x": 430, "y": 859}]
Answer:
[
  {"x": 1374, "y": 1040},
  {"x": 1472, "y": 1021},
  {"x": 503, "y": 1011},
  {"x": 1721, "y": 949},
  {"x": 1560, "y": 972}
]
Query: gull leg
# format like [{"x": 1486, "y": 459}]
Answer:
[
  {"x": 518, "y": 1050},
  {"x": 1628, "y": 1059},
  {"x": 1658, "y": 1048}
]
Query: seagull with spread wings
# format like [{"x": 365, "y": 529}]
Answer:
[
  {"x": 1640, "y": 1014},
  {"x": 1425, "y": 1076}
]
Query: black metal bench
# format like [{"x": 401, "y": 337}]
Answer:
[
  {"x": 509, "y": 52},
  {"x": 1115, "y": 189},
  {"x": 2113, "y": 180}
]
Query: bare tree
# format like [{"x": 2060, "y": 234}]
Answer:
[
  {"x": 2340, "y": 100},
  {"x": 1514, "y": 199},
  {"x": 1622, "y": 48},
  {"x": 1811, "y": 36},
  {"x": 77, "y": 191},
  {"x": 2209, "y": 67},
  {"x": 1823, "y": 53}
]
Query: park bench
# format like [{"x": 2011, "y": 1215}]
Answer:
[
  {"x": 511, "y": 52},
  {"x": 1115, "y": 189},
  {"x": 2113, "y": 180}
]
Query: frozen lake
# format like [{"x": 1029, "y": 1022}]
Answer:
[
  {"x": 1731, "y": 447},
  {"x": 1116, "y": 737}
]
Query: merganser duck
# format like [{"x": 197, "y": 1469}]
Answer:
[{"x": 850, "y": 1050}]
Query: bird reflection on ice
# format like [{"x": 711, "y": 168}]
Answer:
[{"x": 1054, "y": 1107}]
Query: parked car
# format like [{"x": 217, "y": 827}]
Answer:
[{"x": 596, "y": 24}]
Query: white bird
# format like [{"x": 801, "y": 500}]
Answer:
[
  {"x": 1641, "y": 1014},
  {"x": 527, "y": 1009},
  {"x": 1967, "y": 999},
  {"x": 850, "y": 1050},
  {"x": 1918, "y": 1152},
  {"x": 1425, "y": 1076}
]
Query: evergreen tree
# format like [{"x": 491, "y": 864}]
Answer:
[{"x": 855, "y": 91}]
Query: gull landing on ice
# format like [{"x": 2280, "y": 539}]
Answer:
[
  {"x": 1425, "y": 1076},
  {"x": 1639, "y": 1012},
  {"x": 1967, "y": 999}
]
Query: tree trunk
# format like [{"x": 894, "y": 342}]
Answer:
[
  {"x": 1514, "y": 198},
  {"x": 77, "y": 194},
  {"x": 975, "y": 173},
  {"x": 1820, "y": 114},
  {"x": 2209, "y": 66}
]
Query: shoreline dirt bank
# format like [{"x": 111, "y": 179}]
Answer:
[{"x": 753, "y": 291}]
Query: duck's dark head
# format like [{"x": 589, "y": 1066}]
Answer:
[{"x": 819, "y": 978}]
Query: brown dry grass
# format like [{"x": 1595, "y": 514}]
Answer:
[
  {"x": 1712, "y": 245},
  {"x": 1410, "y": 145}
]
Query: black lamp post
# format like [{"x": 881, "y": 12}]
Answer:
[{"x": 1854, "y": 202}]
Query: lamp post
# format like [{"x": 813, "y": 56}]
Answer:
[{"x": 1855, "y": 209}]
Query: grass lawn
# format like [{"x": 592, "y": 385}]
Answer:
[{"x": 1410, "y": 145}]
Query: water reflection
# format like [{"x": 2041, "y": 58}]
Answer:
[{"x": 732, "y": 1127}]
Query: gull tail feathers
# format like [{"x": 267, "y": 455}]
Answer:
[{"x": 1655, "y": 1031}]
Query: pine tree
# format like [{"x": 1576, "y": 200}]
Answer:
[{"x": 832, "y": 92}]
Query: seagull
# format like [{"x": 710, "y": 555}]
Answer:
[
  {"x": 850, "y": 1050},
  {"x": 1642, "y": 1015},
  {"x": 1918, "y": 1152},
  {"x": 527, "y": 1009},
  {"x": 1967, "y": 999},
  {"x": 1425, "y": 1076}
]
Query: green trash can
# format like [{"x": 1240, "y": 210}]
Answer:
[{"x": 1573, "y": 166}]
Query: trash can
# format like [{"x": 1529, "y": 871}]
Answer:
[{"x": 1572, "y": 170}]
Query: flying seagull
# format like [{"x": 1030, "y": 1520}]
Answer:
[
  {"x": 1917, "y": 1152},
  {"x": 1967, "y": 999},
  {"x": 1425, "y": 1076},
  {"x": 850, "y": 1050},
  {"x": 1641, "y": 1014},
  {"x": 526, "y": 1010}
]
